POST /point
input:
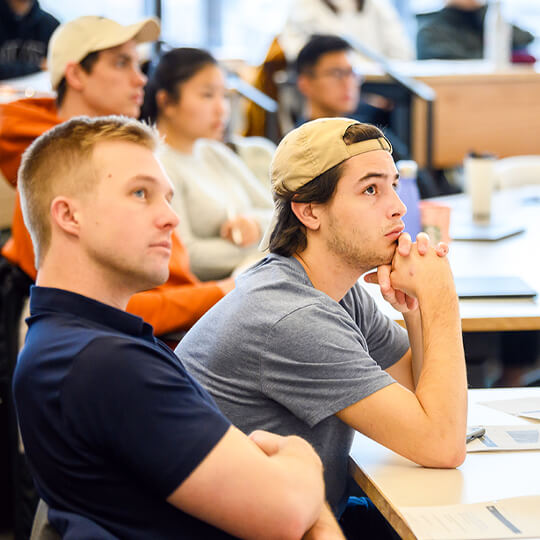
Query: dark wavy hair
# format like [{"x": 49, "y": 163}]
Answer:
[{"x": 173, "y": 68}]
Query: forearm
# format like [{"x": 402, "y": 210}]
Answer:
[
  {"x": 214, "y": 258},
  {"x": 413, "y": 322},
  {"x": 303, "y": 470},
  {"x": 442, "y": 385},
  {"x": 325, "y": 528}
]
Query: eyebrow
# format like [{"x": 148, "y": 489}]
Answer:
[
  {"x": 150, "y": 180},
  {"x": 370, "y": 175},
  {"x": 124, "y": 56}
]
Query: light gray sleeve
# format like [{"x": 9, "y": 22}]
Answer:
[
  {"x": 316, "y": 363},
  {"x": 262, "y": 205}
]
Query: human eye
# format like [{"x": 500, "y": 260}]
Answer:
[
  {"x": 122, "y": 62},
  {"x": 140, "y": 193},
  {"x": 395, "y": 185},
  {"x": 371, "y": 190}
]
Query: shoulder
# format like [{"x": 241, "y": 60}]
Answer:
[
  {"x": 260, "y": 144},
  {"x": 47, "y": 21},
  {"x": 207, "y": 147},
  {"x": 216, "y": 152},
  {"x": 124, "y": 362}
]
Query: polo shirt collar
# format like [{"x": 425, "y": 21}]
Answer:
[{"x": 52, "y": 300}]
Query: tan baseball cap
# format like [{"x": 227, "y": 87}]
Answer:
[
  {"x": 72, "y": 41},
  {"x": 313, "y": 148},
  {"x": 310, "y": 150}
]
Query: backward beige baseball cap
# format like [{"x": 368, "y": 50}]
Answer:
[
  {"x": 310, "y": 150},
  {"x": 314, "y": 148},
  {"x": 72, "y": 41}
]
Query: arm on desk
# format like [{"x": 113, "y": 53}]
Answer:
[
  {"x": 426, "y": 425},
  {"x": 325, "y": 528},
  {"x": 265, "y": 486}
]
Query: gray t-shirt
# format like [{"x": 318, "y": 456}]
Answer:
[{"x": 280, "y": 355}]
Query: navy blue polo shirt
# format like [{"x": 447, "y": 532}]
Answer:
[{"x": 111, "y": 422}]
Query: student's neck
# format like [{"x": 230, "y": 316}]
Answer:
[
  {"x": 328, "y": 272},
  {"x": 314, "y": 111},
  {"x": 72, "y": 106},
  {"x": 82, "y": 279},
  {"x": 174, "y": 139}
]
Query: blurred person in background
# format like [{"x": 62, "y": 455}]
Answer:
[
  {"x": 223, "y": 208},
  {"x": 25, "y": 30},
  {"x": 374, "y": 23},
  {"x": 331, "y": 86},
  {"x": 456, "y": 32},
  {"x": 94, "y": 68}
]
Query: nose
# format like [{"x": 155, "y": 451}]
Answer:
[
  {"x": 139, "y": 78},
  {"x": 397, "y": 207},
  {"x": 167, "y": 218}
]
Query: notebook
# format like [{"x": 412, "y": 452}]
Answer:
[
  {"x": 484, "y": 231},
  {"x": 493, "y": 287}
]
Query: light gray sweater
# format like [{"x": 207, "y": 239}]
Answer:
[{"x": 211, "y": 185}]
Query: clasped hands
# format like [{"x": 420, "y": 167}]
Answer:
[
  {"x": 400, "y": 299},
  {"x": 240, "y": 230}
]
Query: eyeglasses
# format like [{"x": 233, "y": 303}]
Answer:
[{"x": 339, "y": 74}]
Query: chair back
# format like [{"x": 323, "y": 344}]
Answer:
[
  {"x": 41, "y": 528},
  {"x": 517, "y": 171}
]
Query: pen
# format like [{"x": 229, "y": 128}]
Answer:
[
  {"x": 235, "y": 232},
  {"x": 475, "y": 433}
]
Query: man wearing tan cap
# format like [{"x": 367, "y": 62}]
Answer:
[
  {"x": 94, "y": 68},
  {"x": 300, "y": 347}
]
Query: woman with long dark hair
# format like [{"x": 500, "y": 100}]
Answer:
[{"x": 223, "y": 208}]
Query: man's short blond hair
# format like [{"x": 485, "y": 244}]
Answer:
[{"x": 59, "y": 162}]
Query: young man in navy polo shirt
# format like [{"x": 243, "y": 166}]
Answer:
[{"x": 115, "y": 430}]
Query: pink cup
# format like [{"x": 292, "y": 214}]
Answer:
[{"x": 435, "y": 220}]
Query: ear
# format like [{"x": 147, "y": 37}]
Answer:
[
  {"x": 162, "y": 99},
  {"x": 308, "y": 214},
  {"x": 73, "y": 77},
  {"x": 64, "y": 215},
  {"x": 304, "y": 85}
]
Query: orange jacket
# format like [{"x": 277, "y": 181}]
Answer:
[{"x": 175, "y": 305}]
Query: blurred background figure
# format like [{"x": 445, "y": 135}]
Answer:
[
  {"x": 456, "y": 32},
  {"x": 223, "y": 208},
  {"x": 375, "y": 23},
  {"x": 25, "y": 30},
  {"x": 331, "y": 86},
  {"x": 325, "y": 76}
]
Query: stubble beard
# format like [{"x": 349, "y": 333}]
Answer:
[
  {"x": 355, "y": 253},
  {"x": 133, "y": 277}
]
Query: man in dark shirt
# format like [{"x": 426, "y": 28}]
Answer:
[
  {"x": 456, "y": 32},
  {"x": 25, "y": 30},
  {"x": 114, "y": 428}
]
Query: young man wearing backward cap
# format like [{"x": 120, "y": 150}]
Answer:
[{"x": 299, "y": 347}]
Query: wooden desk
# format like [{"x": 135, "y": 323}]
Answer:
[
  {"x": 517, "y": 255},
  {"x": 392, "y": 481},
  {"x": 476, "y": 109}
]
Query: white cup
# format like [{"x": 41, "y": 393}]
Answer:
[{"x": 479, "y": 180}]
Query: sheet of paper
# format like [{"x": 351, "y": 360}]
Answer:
[
  {"x": 526, "y": 407},
  {"x": 520, "y": 437},
  {"x": 507, "y": 518}
]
